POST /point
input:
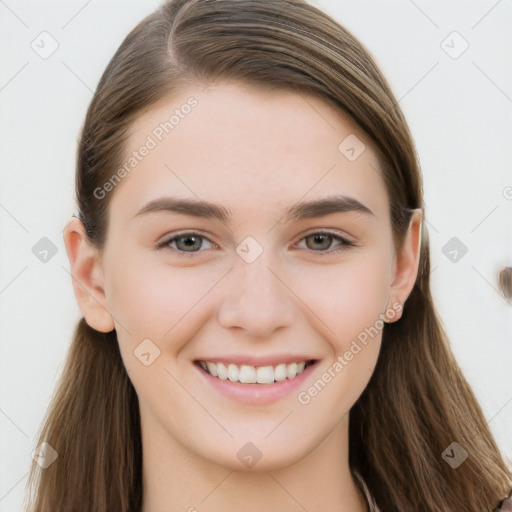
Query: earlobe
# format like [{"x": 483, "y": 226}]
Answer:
[
  {"x": 406, "y": 266},
  {"x": 87, "y": 275}
]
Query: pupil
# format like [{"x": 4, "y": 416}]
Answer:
[
  {"x": 323, "y": 240},
  {"x": 190, "y": 241}
]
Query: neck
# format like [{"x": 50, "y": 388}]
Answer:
[{"x": 177, "y": 479}]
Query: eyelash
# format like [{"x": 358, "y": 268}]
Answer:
[{"x": 165, "y": 244}]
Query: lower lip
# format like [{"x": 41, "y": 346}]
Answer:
[{"x": 256, "y": 394}]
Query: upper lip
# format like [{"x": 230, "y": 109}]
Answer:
[{"x": 270, "y": 360}]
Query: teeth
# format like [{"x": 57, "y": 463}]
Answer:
[
  {"x": 222, "y": 371},
  {"x": 291, "y": 370},
  {"x": 247, "y": 374},
  {"x": 265, "y": 375},
  {"x": 212, "y": 368},
  {"x": 280, "y": 372},
  {"x": 233, "y": 372}
]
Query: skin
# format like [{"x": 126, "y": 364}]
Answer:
[{"x": 258, "y": 154}]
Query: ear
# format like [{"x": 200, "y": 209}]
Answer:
[
  {"x": 87, "y": 275},
  {"x": 406, "y": 265}
]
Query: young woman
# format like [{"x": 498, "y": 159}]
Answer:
[{"x": 258, "y": 330}]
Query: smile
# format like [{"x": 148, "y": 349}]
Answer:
[{"x": 247, "y": 374}]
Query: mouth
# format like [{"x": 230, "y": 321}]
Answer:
[{"x": 247, "y": 374}]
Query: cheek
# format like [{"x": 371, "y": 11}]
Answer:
[
  {"x": 347, "y": 298},
  {"x": 350, "y": 300},
  {"x": 151, "y": 299}
]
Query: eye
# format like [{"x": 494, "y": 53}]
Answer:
[
  {"x": 322, "y": 242},
  {"x": 189, "y": 242}
]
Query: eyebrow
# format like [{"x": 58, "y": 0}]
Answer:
[{"x": 300, "y": 211}]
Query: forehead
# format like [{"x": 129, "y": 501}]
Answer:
[{"x": 245, "y": 147}]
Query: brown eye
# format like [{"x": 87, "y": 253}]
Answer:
[
  {"x": 326, "y": 242},
  {"x": 319, "y": 241},
  {"x": 188, "y": 243}
]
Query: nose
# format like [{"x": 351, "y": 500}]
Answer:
[{"x": 256, "y": 298}]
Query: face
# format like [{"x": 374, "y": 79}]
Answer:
[{"x": 281, "y": 279}]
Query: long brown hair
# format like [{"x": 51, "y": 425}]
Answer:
[{"x": 417, "y": 402}]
